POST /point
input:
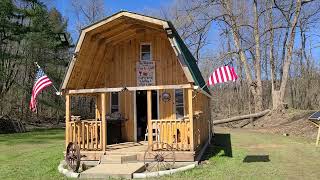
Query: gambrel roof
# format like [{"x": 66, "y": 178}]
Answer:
[{"x": 187, "y": 60}]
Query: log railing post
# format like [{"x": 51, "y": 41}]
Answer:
[
  {"x": 103, "y": 121},
  {"x": 190, "y": 113},
  {"x": 149, "y": 115},
  {"x": 68, "y": 116}
]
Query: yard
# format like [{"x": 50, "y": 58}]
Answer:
[{"x": 35, "y": 155}]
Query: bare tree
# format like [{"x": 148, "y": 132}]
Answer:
[{"x": 88, "y": 12}]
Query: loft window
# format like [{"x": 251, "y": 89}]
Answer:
[
  {"x": 114, "y": 102},
  {"x": 179, "y": 103},
  {"x": 145, "y": 52}
]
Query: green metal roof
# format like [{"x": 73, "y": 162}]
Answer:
[{"x": 189, "y": 60}]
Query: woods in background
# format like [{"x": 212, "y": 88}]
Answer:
[
  {"x": 30, "y": 33},
  {"x": 272, "y": 45}
]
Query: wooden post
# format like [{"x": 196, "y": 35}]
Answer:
[
  {"x": 318, "y": 136},
  {"x": 68, "y": 116},
  {"x": 104, "y": 121},
  {"x": 190, "y": 112},
  {"x": 149, "y": 115},
  {"x": 98, "y": 107}
]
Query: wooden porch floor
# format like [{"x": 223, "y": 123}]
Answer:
[{"x": 133, "y": 148}]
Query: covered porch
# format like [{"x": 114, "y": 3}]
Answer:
[{"x": 92, "y": 134}]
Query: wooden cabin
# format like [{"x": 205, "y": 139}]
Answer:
[{"x": 145, "y": 82}]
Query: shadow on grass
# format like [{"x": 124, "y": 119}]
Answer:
[
  {"x": 219, "y": 143},
  {"x": 256, "y": 158}
]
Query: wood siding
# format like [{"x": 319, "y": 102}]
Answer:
[
  {"x": 114, "y": 65},
  {"x": 107, "y": 58},
  {"x": 202, "y": 116}
]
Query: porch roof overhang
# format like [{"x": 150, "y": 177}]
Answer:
[
  {"x": 119, "y": 89},
  {"x": 119, "y": 27}
]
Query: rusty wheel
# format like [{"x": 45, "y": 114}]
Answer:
[
  {"x": 73, "y": 156},
  {"x": 159, "y": 156}
]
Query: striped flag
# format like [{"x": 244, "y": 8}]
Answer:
[
  {"x": 41, "y": 82},
  {"x": 222, "y": 74}
]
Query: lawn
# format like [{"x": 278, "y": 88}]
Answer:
[{"x": 36, "y": 155}]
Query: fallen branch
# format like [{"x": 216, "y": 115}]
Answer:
[{"x": 238, "y": 118}]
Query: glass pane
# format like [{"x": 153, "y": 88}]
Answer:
[
  {"x": 145, "y": 56},
  {"x": 179, "y": 103},
  {"x": 179, "y": 96},
  {"x": 179, "y": 112},
  {"x": 145, "y": 48},
  {"x": 114, "y": 98}
]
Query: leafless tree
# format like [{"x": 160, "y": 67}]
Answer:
[{"x": 88, "y": 12}]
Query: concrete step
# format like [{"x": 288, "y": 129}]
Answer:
[
  {"x": 105, "y": 171},
  {"x": 118, "y": 158}
]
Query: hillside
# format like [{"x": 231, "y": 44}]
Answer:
[{"x": 293, "y": 123}]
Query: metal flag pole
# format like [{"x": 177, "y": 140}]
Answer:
[{"x": 57, "y": 92}]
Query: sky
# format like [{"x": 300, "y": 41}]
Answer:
[
  {"x": 113, "y": 6},
  {"x": 140, "y": 6}
]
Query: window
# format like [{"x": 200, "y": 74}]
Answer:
[
  {"x": 114, "y": 102},
  {"x": 179, "y": 103},
  {"x": 145, "y": 52}
]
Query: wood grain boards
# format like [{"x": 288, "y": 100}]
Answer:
[
  {"x": 114, "y": 65},
  {"x": 107, "y": 59}
]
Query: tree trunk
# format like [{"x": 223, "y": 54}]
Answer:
[
  {"x": 254, "y": 88},
  {"x": 288, "y": 56},
  {"x": 257, "y": 62}
]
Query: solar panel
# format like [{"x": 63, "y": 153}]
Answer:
[{"x": 315, "y": 116}]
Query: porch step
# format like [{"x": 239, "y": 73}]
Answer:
[
  {"x": 105, "y": 171},
  {"x": 118, "y": 158}
]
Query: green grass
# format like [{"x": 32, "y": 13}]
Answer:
[
  {"x": 32, "y": 155},
  {"x": 290, "y": 158},
  {"x": 36, "y": 155}
]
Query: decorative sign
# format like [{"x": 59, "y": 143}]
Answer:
[
  {"x": 165, "y": 97},
  {"x": 145, "y": 73}
]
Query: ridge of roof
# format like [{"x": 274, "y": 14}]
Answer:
[{"x": 122, "y": 11}]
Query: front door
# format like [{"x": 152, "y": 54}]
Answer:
[{"x": 142, "y": 117}]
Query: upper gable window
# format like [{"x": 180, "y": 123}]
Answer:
[{"x": 145, "y": 52}]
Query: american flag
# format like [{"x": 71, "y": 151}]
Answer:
[
  {"x": 222, "y": 74},
  {"x": 40, "y": 83}
]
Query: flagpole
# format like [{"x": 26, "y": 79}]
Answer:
[{"x": 57, "y": 92}]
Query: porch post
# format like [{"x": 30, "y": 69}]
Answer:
[
  {"x": 190, "y": 112},
  {"x": 67, "y": 118},
  {"x": 149, "y": 115},
  {"x": 98, "y": 107},
  {"x": 103, "y": 121}
]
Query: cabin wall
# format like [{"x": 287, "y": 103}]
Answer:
[
  {"x": 114, "y": 65},
  {"x": 118, "y": 69},
  {"x": 201, "y": 106}
]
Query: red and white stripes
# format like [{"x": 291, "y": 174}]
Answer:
[{"x": 222, "y": 74}]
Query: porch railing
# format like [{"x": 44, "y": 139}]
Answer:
[
  {"x": 175, "y": 132},
  {"x": 86, "y": 133}
]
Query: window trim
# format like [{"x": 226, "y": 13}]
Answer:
[
  {"x": 183, "y": 104},
  {"x": 140, "y": 51},
  {"x": 111, "y": 101}
]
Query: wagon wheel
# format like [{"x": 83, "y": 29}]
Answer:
[
  {"x": 159, "y": 156},
  {"x": 73, "y": 156}
]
